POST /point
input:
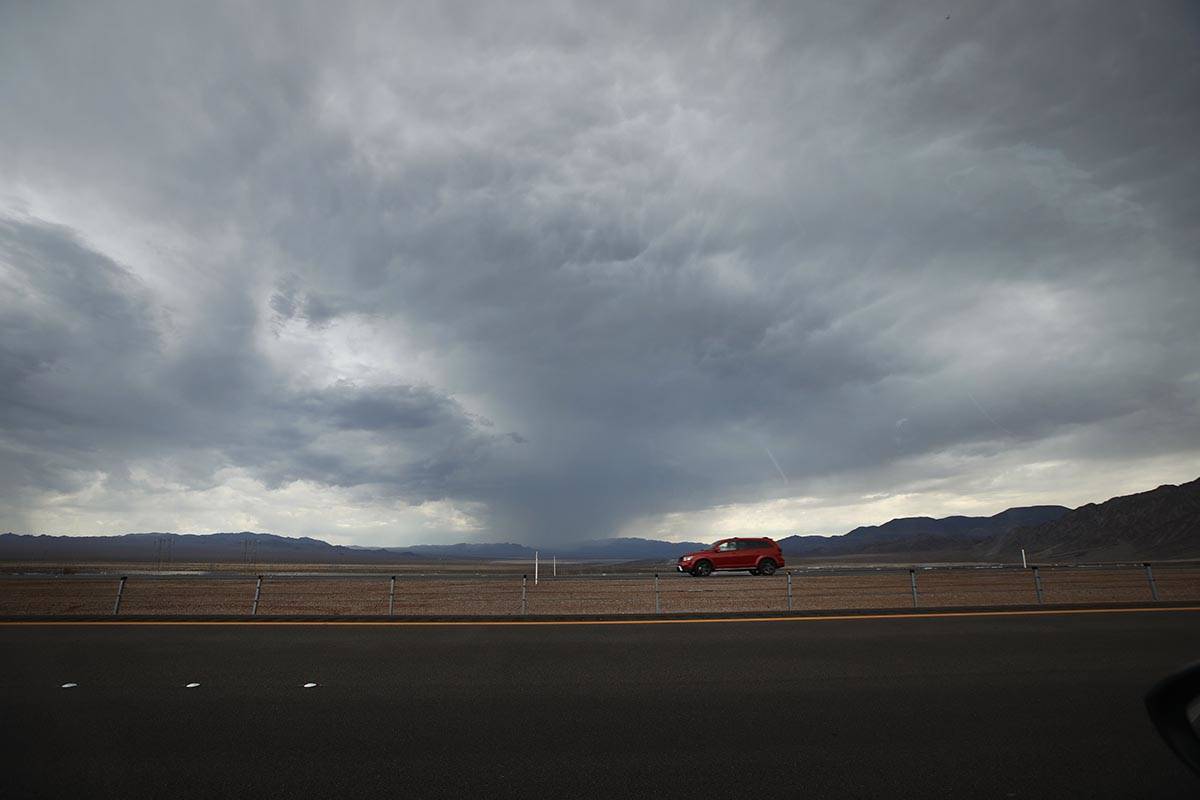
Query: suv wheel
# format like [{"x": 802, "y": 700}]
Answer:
[
  {"x": 766, "y": 567},
  {"x": 702, "y": 569}
]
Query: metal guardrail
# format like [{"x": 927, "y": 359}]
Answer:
[{"x": 632, "y": 593}]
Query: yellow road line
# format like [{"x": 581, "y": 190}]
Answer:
[{"x": 685, "y": 621}]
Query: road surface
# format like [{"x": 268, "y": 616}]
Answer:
[{"x": 1002, "y": 706}]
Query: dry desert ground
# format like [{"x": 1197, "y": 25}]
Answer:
[{"x": 500, "y": 593}]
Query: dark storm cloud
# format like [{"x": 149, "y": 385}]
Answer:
[
  {"x": 667, "y": 249},
  {"x": 91, "y": 379}
]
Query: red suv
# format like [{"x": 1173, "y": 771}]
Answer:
[{"x": 756, "y": 556}]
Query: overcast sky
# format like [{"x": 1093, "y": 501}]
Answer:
[{"x": 401, "y": 273}]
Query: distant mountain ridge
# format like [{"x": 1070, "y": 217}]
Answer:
[
  {"x": 243, "y": 546},
  {"x": 1160, "y": 523},
  {"x": 251, "y": 547},
  {"x": 921, "y": 535},
  {"x": 634, "y": 548},
  {"x": 470, "y": 550},
  {"x": 1157, "y": 524},
  {"x": 631, "y": 548}
]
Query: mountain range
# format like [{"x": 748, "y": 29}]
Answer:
[
  {"x": 1160, "y": 523},
  {"x": 623, "y": 548},
  {"x": 1157, "y": 524},
  {"x": 165, "y": 548},
  {"x": 948, "y": 537}
]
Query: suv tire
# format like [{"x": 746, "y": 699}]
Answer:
[
  {"x": 766, "y": 567},
  {"x": 702, "y": 569}
]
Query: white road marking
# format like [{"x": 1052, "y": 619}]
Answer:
[
  {"x": 191, "y": 686},
  {"x": 69, "y": 685},
  {"x": 309, "y": 685}
]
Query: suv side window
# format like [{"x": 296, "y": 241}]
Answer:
[
  {"x": 751, "y": 544},
  {"x": 725, "y": 547}
]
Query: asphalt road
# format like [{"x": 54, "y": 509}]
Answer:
[{"x": 970, "y": 706}]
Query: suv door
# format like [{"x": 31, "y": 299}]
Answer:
[
  {"x": 725, "y": 555},
  {"x": 748, "y": 551}
]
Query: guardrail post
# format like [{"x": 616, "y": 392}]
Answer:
[
  {"x": 657, "y": 602},
  {"x": 392, "y": 597},
  {"x": 1037, "y": 584},
  {"x": 524, "y": 604},
  {"x": 121, "y": 590},
  {"x": 789, "y": 590},
  {"x": 257, "y": 594},
  {"x": 912, "y": 579},
  {"x": 1150, "y": 578}
]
